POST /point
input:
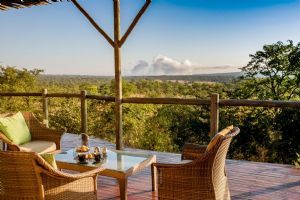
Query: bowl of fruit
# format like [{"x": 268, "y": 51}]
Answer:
[{"x": 82, "y": 149}]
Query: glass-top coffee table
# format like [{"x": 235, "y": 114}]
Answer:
[{"x": 117, "y": 164}]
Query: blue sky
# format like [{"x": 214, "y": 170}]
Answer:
[{"x": 173, "y": 37}]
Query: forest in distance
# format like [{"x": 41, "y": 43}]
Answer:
[
  {"x": 218, "y": 77},
  {"x": 267, "y": 134}
]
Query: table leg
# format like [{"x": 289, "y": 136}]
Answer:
[
  {"x": 123, "y": 188},
  {"x": 153, "y": 177},
  {"x": 3, "y": 146}
]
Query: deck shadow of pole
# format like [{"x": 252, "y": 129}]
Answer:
[{"x": 252, "y": 194}]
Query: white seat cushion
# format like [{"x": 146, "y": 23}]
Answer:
[{"x": 38, "y": 146}]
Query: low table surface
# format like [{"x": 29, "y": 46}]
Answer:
[{"x": 118, "y": 164}]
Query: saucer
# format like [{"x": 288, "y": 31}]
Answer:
[{"x": 83, "y": 163}]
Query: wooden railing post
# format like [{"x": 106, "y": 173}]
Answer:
[
  {"x": 45, "y": 107},
  {"x": 118, "y": 76},
  {"x": 214, "y": 114},
  {"x": 83, "y": 111}
]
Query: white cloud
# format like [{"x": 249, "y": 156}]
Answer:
[
  {"x": 163, "y": 65},
  {"x": 141, "y": 68}
]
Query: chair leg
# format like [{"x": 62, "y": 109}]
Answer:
[
  {"x": 123, "y": 188},
  {"x": 95, "y": 186},
  {"x": 153, "y": 177}
]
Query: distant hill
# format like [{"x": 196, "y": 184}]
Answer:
[
  {"x": 219, "y": 77},
  {"x": 73, "y": 79}
]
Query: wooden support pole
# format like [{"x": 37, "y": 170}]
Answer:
[
  {"x": 118, "y": 76},
  {"x": 214, "y": 114},
  {"x": 83, "y": 111},
  {"x": 116, "y": 43},
  {"x": 93, "y": 22},
  {"x": 45, "y": 108},
  {"x": 135, "y": 21}
]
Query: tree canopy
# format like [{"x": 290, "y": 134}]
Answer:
[
  {"x": 268, "y": 135},
  {"x": 274, "y": 71}
]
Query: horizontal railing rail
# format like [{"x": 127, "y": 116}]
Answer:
[
  {"x": 260, "y": 103},
  {"x": 179, "y": 101},
  {"x": 21, "y": 94},
  {"x": 214, "y": 103}
]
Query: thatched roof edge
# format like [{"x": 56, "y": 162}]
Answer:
[{"x": 8, "y": 4}]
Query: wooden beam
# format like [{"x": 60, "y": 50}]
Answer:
[
  {"x": 116, "y": 43},
  {"x": 178, "y": 101},
  {"x": 260, "y": 103},
  {"x": 45, "y": 108},
  {"x": 21, "y": 94},
  {"x": 214, "y": 115},
  {"x": 134, "y": 22},
  {"x": 93, "y": 22},
  {"x": 118, "y": 76},
  {"x": 83, "y": 111},
  {"x": 64, "y": 95},
  {"x": 101, "y": 98}
]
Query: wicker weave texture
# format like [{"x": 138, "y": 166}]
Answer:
[
  {"x": 203, "y": 179},
  {"x": 25, "y": 175},
  {"x": 38, "y": 131}
]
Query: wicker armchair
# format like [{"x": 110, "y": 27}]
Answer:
[
  {"x": 202, "y": 179},
  {"x": 25, "y": 175},
  {"x": 38, "y": 131}
]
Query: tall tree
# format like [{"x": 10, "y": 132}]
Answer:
[
  {"x": 18, "y": 80},
  {"x": 274, "y": 72}
]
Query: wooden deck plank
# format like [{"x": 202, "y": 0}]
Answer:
[{"x": 247, "y": 180}]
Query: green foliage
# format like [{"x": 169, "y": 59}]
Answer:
[
  {"x": 286, "y": 145},
  {"x": 65, "y": 113},
  {"x": 141, "y": 132},
  {"x": 269, "y": 135},
  {"x": 101, "y": 120},
  {"x": 13, "y": 79},
  {"x": 19, "y": 80},
  {"x": 90, "y": 88},
  {"x": 253, "y": 143},
  {"x": 274, "y": 72},
  {"x": 297, "y": 161},
  {"x": 186, "y": 123}
]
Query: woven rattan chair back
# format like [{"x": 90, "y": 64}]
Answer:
[
  {"x": 219, "y": 176},
  {"x": 26, "y": 176},
  {"x": 204, "y": 178},
  {"x": 18, "y": 177}
]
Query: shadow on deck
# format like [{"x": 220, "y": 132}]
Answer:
[{"x": 247, "y": 180}]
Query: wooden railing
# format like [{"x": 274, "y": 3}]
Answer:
[{"x": 214, "y": 103}]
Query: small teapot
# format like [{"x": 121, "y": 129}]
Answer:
[
  {"x": 97, "y": 150},
  {"x": 104, "y": 151}
]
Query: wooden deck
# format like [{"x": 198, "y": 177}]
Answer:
[{"x": 247, "y": 180}]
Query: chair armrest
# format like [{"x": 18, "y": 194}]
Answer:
[
  {"x": 192, "y": 151},
  {"x": 47, "y": 134},
  {"x": 92, "y": 173},
  {"x": 10, "y": 145},
  {"x": 163, "y": 165},
  {"x": 70, "y": 186},
  {"x": 4, "y": 139},
  {"x": 39, "y": 131},
  {"x": 45, "y": 168}
]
